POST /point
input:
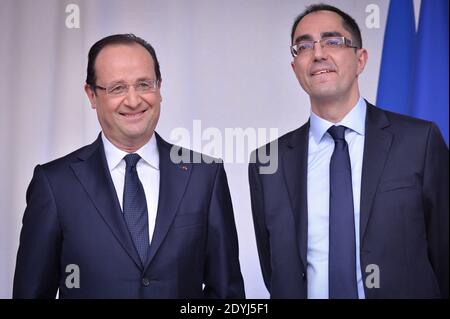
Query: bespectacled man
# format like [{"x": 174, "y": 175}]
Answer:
[
  {"x": 358, "y": 207},
  {"x": 120, "y": 214}
]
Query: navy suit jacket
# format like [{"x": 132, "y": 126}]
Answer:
[
  {"x": 404, "y": 210},
  {"x": 73, "y": 217}
]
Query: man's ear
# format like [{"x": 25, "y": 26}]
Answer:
[
  {"x": 362, "y": 56},
  {"x": 91, "y": 95}
]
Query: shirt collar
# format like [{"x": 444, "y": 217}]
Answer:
[
  {"x": 354, "y": 120},
  {"x": 149, "y": 153}
]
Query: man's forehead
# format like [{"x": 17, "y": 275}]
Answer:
[
  {"x": 319, "y": 24},
  {"x": 122, "y": 48},
  {"x": 123, "y": 55},
  {"x": 119, "y": 61}
]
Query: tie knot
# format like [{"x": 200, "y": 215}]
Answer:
[
  {"x": 337, "y": 132},
  {"x": 132, "y": 159}
]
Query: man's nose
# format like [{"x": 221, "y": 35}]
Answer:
[
  {"x": 132, "y": 99},
  {"x": 319, "y": 52}
]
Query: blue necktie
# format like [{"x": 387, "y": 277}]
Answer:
[
  {"x": 135, "y": 207},
  {"x": 342, "y": 251}
]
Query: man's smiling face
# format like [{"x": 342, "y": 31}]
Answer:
[
  {"x": 129, "y": 120},
  {"x": 327, "y": 74}
]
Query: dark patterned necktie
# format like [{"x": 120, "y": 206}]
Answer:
[{"x": 135, "y": 207}]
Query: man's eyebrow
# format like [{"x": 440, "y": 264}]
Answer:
[
  {"x": 115, "y": 82},
  {"x": 308, "y": 37},
  {"x": 304, "y": 37},
  {"x": 331, "y": 34},
  {"x": 144, "y": 78}
]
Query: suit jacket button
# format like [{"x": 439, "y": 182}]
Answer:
[
  {"x": 145, "y": 281},
  {"x": 304, "y": 275}
]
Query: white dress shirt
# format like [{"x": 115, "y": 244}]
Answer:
[
  {"x": 321, "y": 146},
  {"x": 148, "y": 172}
]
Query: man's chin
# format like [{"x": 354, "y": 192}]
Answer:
[
  {"x": 324, "y": 95},
  {"x": 138, "y": 136}
]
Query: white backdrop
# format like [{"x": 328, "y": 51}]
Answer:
[{"x": 226, "y": 63}]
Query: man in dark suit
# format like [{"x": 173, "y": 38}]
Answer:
[
  {"x": 122, "y": 217},
  {"x": 358, "y": 207}
]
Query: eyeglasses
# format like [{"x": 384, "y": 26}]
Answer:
[
  {"x": 120, "y": 89},
  {"x": 332, "y": 43}
]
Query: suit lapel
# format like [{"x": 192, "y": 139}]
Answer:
[
  {"x": 93, "y": 173},
  {"x": 173, "y": 182},
  {"x": 295, "y": 165},
  {"x": 376, "y": 148}
]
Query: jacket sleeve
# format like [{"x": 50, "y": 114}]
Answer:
[
  {"x": 435, "y": 190},
  {"x": 259, "y": 221},
  {"x": 37, "y": 266},
  {"x": 223, "y": 278}
]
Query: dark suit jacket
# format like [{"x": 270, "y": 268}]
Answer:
[
  {"x": 404, "y": 224},
  {"x": 73, "y": 217}
]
